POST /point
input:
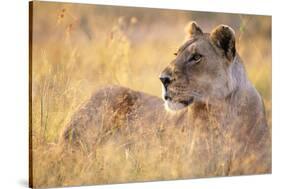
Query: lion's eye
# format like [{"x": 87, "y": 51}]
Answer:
[
  {"x": 175, "y": 53},
  {"x": 196, "y": 57}
]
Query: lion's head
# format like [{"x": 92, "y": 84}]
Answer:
[{"x": 201, "y": 70}]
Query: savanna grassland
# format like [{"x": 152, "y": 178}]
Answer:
[{"x": 78, "y": 48}]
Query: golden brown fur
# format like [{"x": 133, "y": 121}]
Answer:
[{"x": 216, "y": 105}]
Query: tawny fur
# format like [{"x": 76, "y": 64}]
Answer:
[{"x": 226, "y": 125}]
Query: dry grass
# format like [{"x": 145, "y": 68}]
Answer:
[{"x": 78, "y": 48}]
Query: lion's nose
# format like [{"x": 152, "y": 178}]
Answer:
[
  {"x": 165, "y": 79},
  {"x": 167, "y": 97}
]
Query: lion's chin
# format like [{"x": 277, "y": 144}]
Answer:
[{"x": 174, "y": 106}]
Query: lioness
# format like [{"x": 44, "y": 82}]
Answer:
[{"x": 206, "y": 93}]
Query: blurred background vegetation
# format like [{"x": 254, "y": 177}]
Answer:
[{"x": 78, "y": 48}]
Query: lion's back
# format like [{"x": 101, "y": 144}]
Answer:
[{"x": 109, "y": 109}]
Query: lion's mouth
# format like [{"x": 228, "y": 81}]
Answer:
[
  {"x": 174, "y": 106},
  {"x": 187, "y": 102}
]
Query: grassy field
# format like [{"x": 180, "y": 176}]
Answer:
[{"x": 79, "y": 48}]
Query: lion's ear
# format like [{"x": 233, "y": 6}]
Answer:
[
  {"x": 224, "y": 37},
  {"x": 193, "y": 29}
]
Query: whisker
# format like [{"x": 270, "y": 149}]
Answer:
[{"x": 186, "y": 93}]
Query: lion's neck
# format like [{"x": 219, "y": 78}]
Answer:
[{"x": 237, "y": 79}]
